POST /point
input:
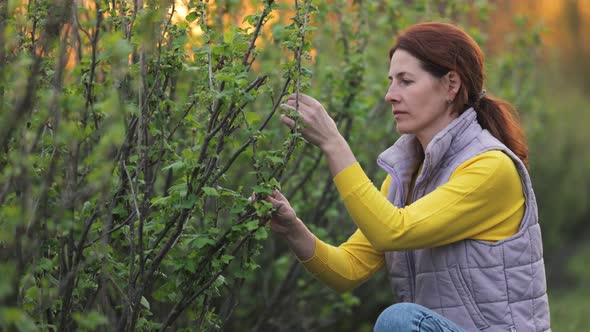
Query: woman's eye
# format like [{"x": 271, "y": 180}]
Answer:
[{"x": 405, "y": 82}]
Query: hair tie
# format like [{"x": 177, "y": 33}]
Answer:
[{"x": 482, "y": 93}]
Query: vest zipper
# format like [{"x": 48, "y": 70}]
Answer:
[
  {"x": 410, "y": 253},
  {"x": 412, "y": 277},
  {"x": 409, "y": 256}
]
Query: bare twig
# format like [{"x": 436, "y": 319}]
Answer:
[
  {"x": 110, "y": 231},
  {"x": 209, "y": 65},
  {"x": 298, "y": 54},
  {"x": 131, "y": 225},
  {"x": 265, "y": 12}
]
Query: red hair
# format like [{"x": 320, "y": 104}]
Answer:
[{"x": 443, "y": 47}]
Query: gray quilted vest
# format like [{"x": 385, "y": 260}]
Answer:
[{"x": 479, "y": 285}]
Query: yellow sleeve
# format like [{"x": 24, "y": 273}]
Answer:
[
  {"x": 482, "y": 200},
  {"x": 347, "y": 266}
]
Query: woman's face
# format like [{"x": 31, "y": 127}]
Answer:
[{"x": 419, "y": 100}]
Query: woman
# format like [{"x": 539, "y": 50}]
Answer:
[{"x": 455, "y": 221}]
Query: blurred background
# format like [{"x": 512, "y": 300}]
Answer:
[{"x": 559, "y": 152}]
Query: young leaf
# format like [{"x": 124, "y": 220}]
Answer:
[
  {"x": 191, "y": 17},
  {"x": 209, "y": 191},
  {"x": 145, "y": 303},
  {"x": 261, "y": 234}
]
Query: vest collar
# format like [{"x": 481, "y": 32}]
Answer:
[{"x": 403, "y": 158}]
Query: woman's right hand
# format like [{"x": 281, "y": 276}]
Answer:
[
  {"x": 284, "y": 222},
  {"x": 284, "y": 219}
]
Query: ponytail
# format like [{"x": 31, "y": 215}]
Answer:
[{"x": 499, "y": 117}]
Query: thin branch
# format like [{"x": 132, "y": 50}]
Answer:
[
  {"x": 307, "y": 175},
  {"x": 35, "y": 21},
  {"x": 89, "y": 106},
  {"x": 298, "y": 54},
  {"x": 210, "y": 67},
  {"x": 183, "y": 304},
  {"x": 131, "y": 225},
  {"x": 300, "y": 51},
  {"x": 259, "y": 24},
  {"x": 185, "y": 113},
  {"x": 243, "y": 148},
  {"x": 110, "y": 231},
  {"x": 159, "y": 60}
]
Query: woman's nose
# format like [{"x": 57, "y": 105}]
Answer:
[{"x": 392, "y": 96}]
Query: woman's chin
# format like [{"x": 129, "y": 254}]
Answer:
[{"x": 402, "y": 129}]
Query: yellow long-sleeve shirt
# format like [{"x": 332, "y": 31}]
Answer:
[{"x": 483, "y": 200}]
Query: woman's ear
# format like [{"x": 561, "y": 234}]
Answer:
[{"x": 453, "y": 84}]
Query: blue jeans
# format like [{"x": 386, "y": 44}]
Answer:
[{"x": 410, "y": 317}]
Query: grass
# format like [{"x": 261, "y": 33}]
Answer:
[{"x": 570, "y": 309}]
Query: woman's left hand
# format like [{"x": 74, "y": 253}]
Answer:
[{"x": 318, "y": 127}]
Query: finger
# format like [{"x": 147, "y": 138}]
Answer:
[
  {"x": 252, "y": 198},
  {"x": 276, "y": 193},
  {"x": 277, "y": 204},
  {"x": 303, "y": 98},
  {"x": 305, "y": 112},
  {"x": 288, "y": 107},
  {"x": 287, "y": 121},
  {"x": 291, "y": 106}
]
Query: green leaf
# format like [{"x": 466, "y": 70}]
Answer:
[
  {"x": 228, "y": 36},
  {"x": 176, "y": 166},
  {"x": 191, "y": 17},
  {"x": 32, "y": 293},
  {"x": 252, "y": 117},
  {"x": 159, "y": 201},
  {"x": 261, "y": 234},
  {"x": 218, "y": 50},
  {"x": 220, "y": 281},
  {"x": 119, "y": 210},
  {"x": 214, "y": 230},
  {"x": 226, "y": 259},
  {"x": 237, "y": 209},
  {"x": 180, "y": 189},
  {"x": 306, "y": 72},
  {"x": 189, "y": 201},
  {"x": 225, "y": 78},
  {"x": 144, "y": 302},
  {"x": 274, "y": 159},
  {"x": 201, "y": 241},
  {"x": 90, "y": 320},
  {"x": 44, "y": 265},
  {"x": 262, "y": 190},
  {"x": 209, "y": 191},
  {"x": 275, "y": 183},
  {"x": 252, "y": 225}
]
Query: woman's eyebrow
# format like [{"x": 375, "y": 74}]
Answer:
[{"x": 399, "y": 75}]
